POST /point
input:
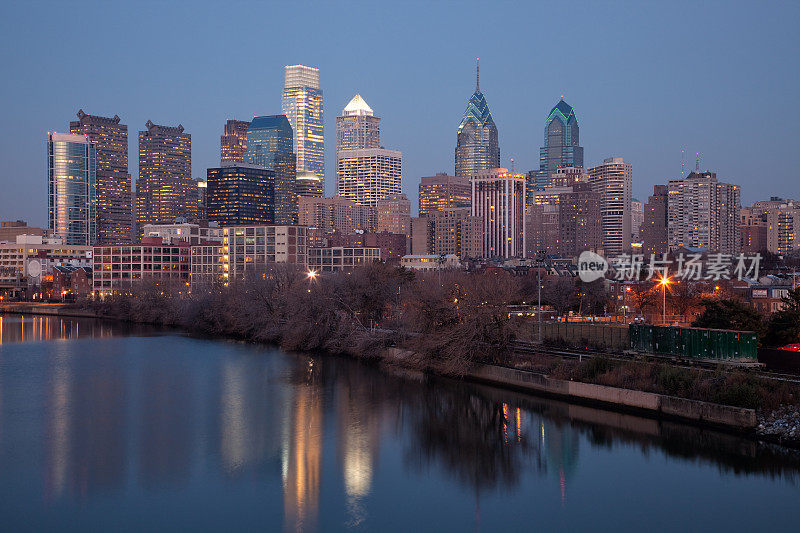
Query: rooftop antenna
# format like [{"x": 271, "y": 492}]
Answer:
[
  {"x": 683, "y": 163},
  {"x": 697, "y": 163},
  {"x": 477, "y": 74}
]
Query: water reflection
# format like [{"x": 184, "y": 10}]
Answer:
[
  {"x": 26, "y": 328},
  {"x": 315, "y": 443}
]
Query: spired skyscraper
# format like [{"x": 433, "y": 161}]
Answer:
[
  {"x": 269, "y": 145},
  {"x": 561, "y": 146},
  {"x": 477, "y": 148},
  {"x": 302, "y": 105}
]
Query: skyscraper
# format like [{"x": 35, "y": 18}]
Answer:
[
  {"x": 561, "y": 145},
  {"x": 269, "y": 145},
  {"x": 498, "y": 198},
  {"x": 165, "y": 189},
  {"x": 443, "y": 192},
  {"x": 703, "y": 213},
  {"x": 612, "y": 180},
  {"x": 476, "y": 146},
  {"x": 302, "y": 105},
  {"x": 357, "y": 127},
  {"x": 114, "y": 203},
  {"x": 241, "y": 194},
  {"x": 71, "y": 188},
  {"x": 233, "y": 143},
  {"x": 367, "y": 175},
  {"x": 308, "y": 184},
  {"x": 654, "y": 229}
]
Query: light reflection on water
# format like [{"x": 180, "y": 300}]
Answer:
[{"x": 132, "y": 433}]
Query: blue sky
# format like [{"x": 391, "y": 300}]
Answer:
[{"x": 646, "y": 79}]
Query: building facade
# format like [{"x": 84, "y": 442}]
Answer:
[
  {"x": 29, "y": 260},
  {"x": 308, "y": 184},
  {"x": 393, "y": 215},
  {"x": 241, "y": 194},
  {"x": 579, "y": 221},
  {"x": 752, "y": 230},
  {"x": 72, "y": 170},
  {"x": 541, "y": 229},
  {"x": 783, "y": 228},
  {"x": 120, "y": 267},
  {"x": 114, "y": 201},
  {"x": 443, "y": 192},
  {"x": 703, "y": 213},
  {"x": 637, "y": 219},
  {"x": 369, "y": 174},
  {"x": 233, "y": 142},
  {"x": 561, "y": 145},
  {"x": 357, "y": 126},
  {"x": 193, "y": 234},
  {"x": 341, "y": 258},
  {"x": 612, "y": 180},
  {"x": 165, "y": 189},
  {"x": 269, "y": 145},
  {"x": 335, "y": 214},
  {"x": 448, "y": 231},
  {"x": 498, "y": 199},
  {"x": 654, "y": 228},
  {"x": 302, "y": 105},
  {"x": 477, "y": 147}
]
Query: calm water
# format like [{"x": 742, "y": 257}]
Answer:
[{"x": 103, "y": 428}]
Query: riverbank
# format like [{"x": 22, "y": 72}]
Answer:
[{"x": 581, "y": 382}]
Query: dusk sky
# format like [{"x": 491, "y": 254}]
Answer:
[{"x": 646, "y": 80}]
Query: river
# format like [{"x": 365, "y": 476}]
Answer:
[{"x": 111, "y": 428}]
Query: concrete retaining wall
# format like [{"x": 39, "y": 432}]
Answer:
[{"x": 711, "y": 413}]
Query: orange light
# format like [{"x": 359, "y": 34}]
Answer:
[{"x": 664, "y": 281}]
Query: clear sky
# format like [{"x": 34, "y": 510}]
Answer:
[{"x": 646, "y": 79}]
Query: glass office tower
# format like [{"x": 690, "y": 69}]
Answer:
[
  {"x": 302, "y": 105},
  {"x": 561, "y": 146},
  {"x": 269, "y": 145},
  {"x": 477, "y": 147},
  {"x": 71, "y": 188}
]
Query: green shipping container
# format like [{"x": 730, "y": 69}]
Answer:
[{"x": 694, "y": 343}]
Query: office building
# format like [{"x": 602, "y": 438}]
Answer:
[
  {"x": 241, "y": 194},
  {"x": 498, "y": 199},
  {"x": 477, "y": 148},
  {"x": 10, "y": 229},
  {"x": 443, "y": 192},
  {"x": 28, "y": 261},
  {"x": 654, "y": 228},
  {"x": 357, "y": 127},
  {"x": 193, "y": 234},
  {"x": 302, "y": 105},
  {"x": 308, "y": 184},
  {"x": 393, "y": 246},
  {"x": 366, "y": 175},
  {"x": 113, "y": 198},
  {"x": 579, "y": 221},
  {"x": 202, "y": 200},
  {"x": 165, "y": 189},
  {"x": 71, "y": 188},
  {"x": 430, "y": 262},
  {"x": 637, "y": 219},
  {"x": 783, "y": 228},
  {"x": 567, "y": 177},
  {"x": 393, "y": 215},
  {"x": 269, "y": 145},
  {"x": 703, "y": 213},
  {"x": 612, "y": 180},
  {"x": 561, "y": 145},
  {"x": 541, "y": 229},
  {"x": 752, "y": 230},
  {"x": 448, "y": 231},
  {"x": 335, "y": 214},
  {"x": 233, "y": 142}
]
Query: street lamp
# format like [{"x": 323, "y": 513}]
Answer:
[
  {"x": 312, "y": 275},
  {"x": 664, "y": 282}
]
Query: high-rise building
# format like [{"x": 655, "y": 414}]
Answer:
[
  {"x": 703, "y": 213},
  {"x": 302, "y": 105},
  {"x": 561, "y": 145},
  {"x": 366, "y": 175},
  {"x": 233, "y": 142},
  {"x": 567, "y": 177},
  {"x": 393, "y": 215},
  {"x": 443, "y": 192},
  {"x": 448, "y": 231},
  {"x": 612, "y": 180},
  {"x": 477, "y": 148},
  {"x": 654, "y": 229},
  {"x": 114, "y": 203},
  {"x": 579, "y": 221},
  {"x": 241, "y": 194},
  {"x": 637, "y": 219},
  {"x": 269, "y": 145},
  {"x": 335, "y": 214},
  {"x": 498, "y": 199},
  {"x": 202, "y": 200},
  {"x": 308, "y": 184},
  {"x": 357, "y": 127},
  {"x": 165, "y": 189},
  {"x": 71, "y": 188},
  {"x": 783, "y": 228},
  {"x": 753, "y": 230},
  {"x": 541, "y": 229}
]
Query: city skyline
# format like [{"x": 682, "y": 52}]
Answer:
[{"x": 696, "y": 99}]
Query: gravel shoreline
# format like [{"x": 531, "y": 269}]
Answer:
[{"x": 781, "y": 425}]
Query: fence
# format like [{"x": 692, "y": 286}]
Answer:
[{"x": 606, "y": 336}]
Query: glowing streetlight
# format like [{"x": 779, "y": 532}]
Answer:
[
  {"x": 312, "y": 275},
  {"x": 664, "y": 282}
]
